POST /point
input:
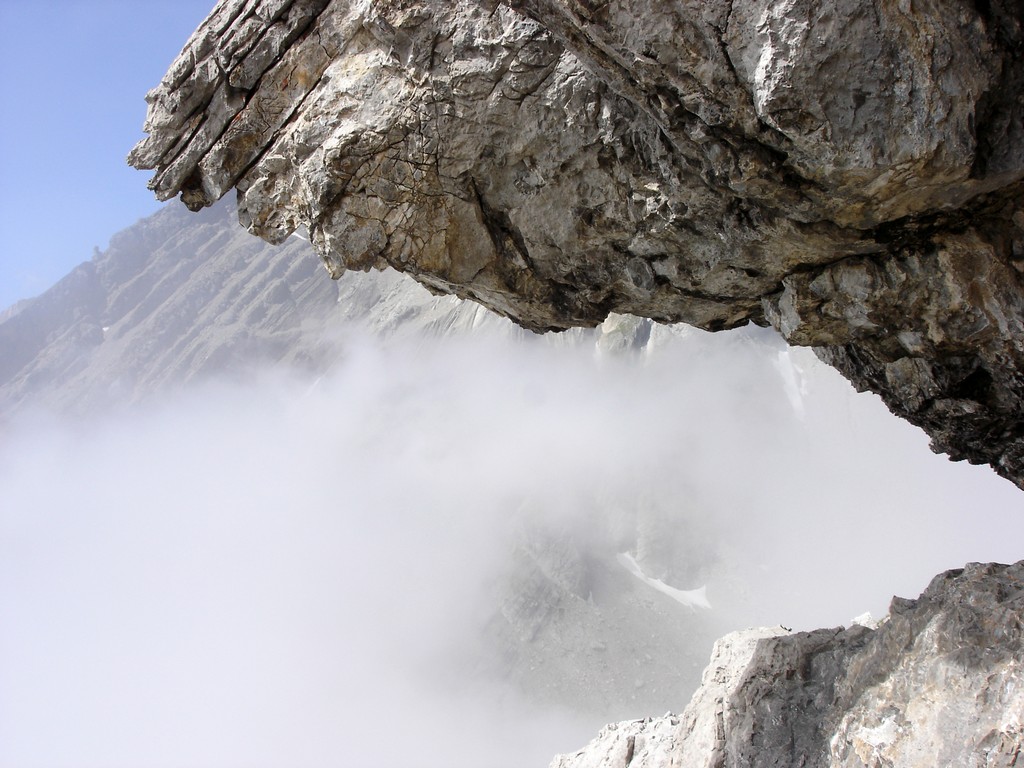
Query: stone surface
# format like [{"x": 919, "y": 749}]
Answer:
[
  {"x": 938, "y": 683},
  {"x": 849, "y": 172}
]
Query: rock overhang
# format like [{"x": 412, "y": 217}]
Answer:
[{"x": 848, "y": 172}]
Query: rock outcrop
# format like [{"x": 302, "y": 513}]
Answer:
[
  {"x": 938, "y": 683},
  {"x": 848, "y": 172}
]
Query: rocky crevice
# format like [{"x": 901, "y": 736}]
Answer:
[{"x": 849, "y": 173}]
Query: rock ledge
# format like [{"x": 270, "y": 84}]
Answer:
[{"x": 849, "y": 172}]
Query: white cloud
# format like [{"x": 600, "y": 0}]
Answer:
[{"x": 289, "y": 573}]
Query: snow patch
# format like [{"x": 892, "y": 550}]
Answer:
[
  {"x": 794, "y": 381},
  {"x": 866, "y": 620},
  {"x": 691, "y": 598}
]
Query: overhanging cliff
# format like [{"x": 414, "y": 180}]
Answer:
[{"x": 849, "y": 172}]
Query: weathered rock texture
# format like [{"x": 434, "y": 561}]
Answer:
[
  {"x": 939, "y": 683},
  {"x": 850, "y": 172}
]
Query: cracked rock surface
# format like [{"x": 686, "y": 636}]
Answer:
[
  {"x": 938, "y": 683},
  {"x": 848, "y": 172}
]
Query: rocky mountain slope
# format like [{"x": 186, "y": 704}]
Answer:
[
  {"x": 938, "y": 683},
  {"x": 849, "y": 173},
  {"x": 177, "y": 298}
]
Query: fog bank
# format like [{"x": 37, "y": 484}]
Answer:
[{"x": 295, "y": 571}]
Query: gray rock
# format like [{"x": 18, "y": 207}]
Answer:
[
  {"x": 849, "y": 172},
  {"x": 938, "y": 683},
  {"x": 580, "y": 631}
]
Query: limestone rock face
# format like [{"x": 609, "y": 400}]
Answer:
[
  {"x": 938, "y": 683},
  {"x": 849, "y": 172}
]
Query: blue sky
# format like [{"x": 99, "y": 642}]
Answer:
[{"x": 74, "y": 75}]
